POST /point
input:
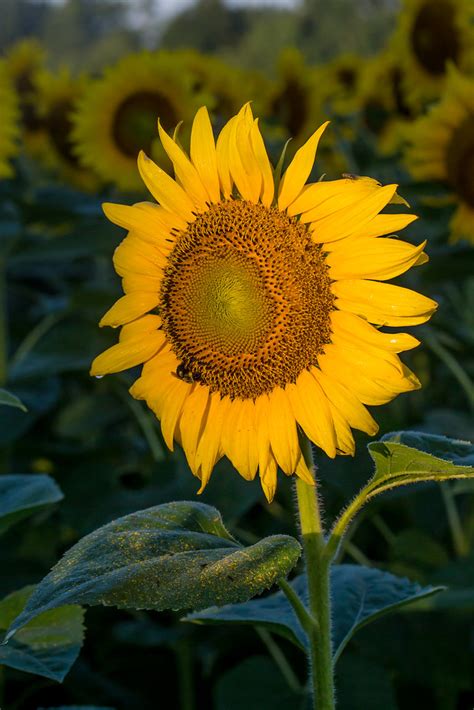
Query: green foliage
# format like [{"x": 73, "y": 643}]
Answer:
[
  {"x": 47, "y": 645},
  {"x": 359, "y": 595},
  {"x": 254, "y": 684},
  {"x": 174, "y": 556},
  {"x": 22, "y": 495},
  {"x": 11, "y": 400}
]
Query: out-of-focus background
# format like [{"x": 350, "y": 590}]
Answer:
[{"x": 82, "y": 83}]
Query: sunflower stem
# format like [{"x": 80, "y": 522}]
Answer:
[{"x": 318, "y": 566}]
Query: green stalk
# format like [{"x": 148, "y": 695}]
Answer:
[{"x": 317, "y": 568}]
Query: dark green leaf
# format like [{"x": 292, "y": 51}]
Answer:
[
  {"x": 359, "y": 595},
  {"x": 24, "y": 494},
  {"x": 362, "y": 683},
  {"x": 48, "y": 645},
  {"x": 173, "y": 556},
  {"x": 11, "y": 400}
]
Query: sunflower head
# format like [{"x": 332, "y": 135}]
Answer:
[
  {"x": 250, "y": 303},
  {"x": 441, "y": 148},
  {"x": 116, "y": 116},
  {"x": 431, "y": 35},
  {"x": 24, "y": 62}
]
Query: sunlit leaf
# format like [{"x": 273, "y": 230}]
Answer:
[
  {"x": 173, "y": 556},
  {"x": 11, "y": 400}
]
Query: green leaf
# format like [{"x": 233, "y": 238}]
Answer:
[
  {"x": 359, "y": 595},
  {"x": 24, "y": 494},
  {"x": 413, "y": 457},
  {"x": 364, "y": 683},
  {"x": 48, "y": 645},
  {"x": 256, "y": 684},
  {"x": 172, "y": 556},
  {"x": 11, "y": 400}
]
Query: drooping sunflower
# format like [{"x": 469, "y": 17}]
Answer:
[
  {"x": 431, "y": 35},
  {"x": 53, "y": 145},
  {"x": 441, "y": 148},
  {"x": 116, "y": 116},
  {"x": 9, "y": 122},
  {"x": 250, "y": 303}
]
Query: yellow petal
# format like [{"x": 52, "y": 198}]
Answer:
[
  {"x": 192, "y": 421},
  {"x": 151, "y": 221},
  {"x": 164, "y": 189},
  {"x": 299, "y": 170},
  {"x": 380, "y": 259},
  {"x": 242, "y": 162},
  {"x": 261, "y": 156},
  {"x": 282, "y": 428},
  {"x": 328, "y": 196},
  {"x": 172, "y": 405},
  {"x": 262, "y": 406},
  {"x": 140, "y": 327},
  {"x": 344, "y": 440},
  {"x": 311, "y": 410},
  {"x": 127, "y": 354},
  {"x": 360, "y": 330},
  {"x": 345, "y": 221},
  {"x": 303, "y": 472},
  {"x": 185, "y": 172},
  {"x": 222, "y": 153},
  {"x": 139, "y": 257},
  {"x": 239, "y": 438},
  {"x": 132, "y": 282},
  {"x": 203, "y": 153},
  {"x": 381, "y": 224},
  {"x": 346, "y": 403},
  {"x": 129, "y": 308},
  {"x": 268, "y": 479},
  {"x": 383, "y": 304},
  {"x": 209, "y": 446}
]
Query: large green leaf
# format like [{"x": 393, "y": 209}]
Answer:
[
  {"x": 359, "y": 595},
  {"x": 24, "y": 494},
  {"x": 48, "y": 645},
  {"x": 11, "y": 400},
  {"x": 413, "y": 457},
  {"x": 172, "y": 556}
]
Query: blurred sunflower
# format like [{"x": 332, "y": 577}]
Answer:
[
  {"x": 53, "y": 146},
  {"x": 116, "y": 116},
  {"x": 442, "y": 148},
  {"x": 250, "y": 303},
  {"x": 383, "y": 109},
  {"x": 224, "y": 87},
  {"x": 9, "y": 123},
  {"x": 294, "y": 104},
  {"x": 24, "y": 62},
  {"x": 430, "y": 35},
  {"x": 342, "y": 78}
]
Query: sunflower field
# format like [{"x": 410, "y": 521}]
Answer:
[{"x": 237, "y": 355}]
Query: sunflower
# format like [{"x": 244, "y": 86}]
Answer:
[
  {"x": 250, "y": 303},
  {"x": 52, "y": 145},
  {"x": 441, "y": 148},
  {"x": 116, "y": 116},
  {"x": 342, "y": 76},
  {"x": 224, "y": 87},
  {"x": 432, "y": 34},
  {"x": 9, "y": 122},
  {"x": 382, "y": 106},
  {"x": 24, "y": 62}
]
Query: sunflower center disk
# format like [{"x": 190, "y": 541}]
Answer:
[
  {"x": 246, "y": 299},
  {"x": 134, "y": 126},
  {"x": 460, "y": 160},
  {"x": 435, "y": 37}
]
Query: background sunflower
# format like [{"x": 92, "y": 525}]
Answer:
[{"x": 9, "y": 125}]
